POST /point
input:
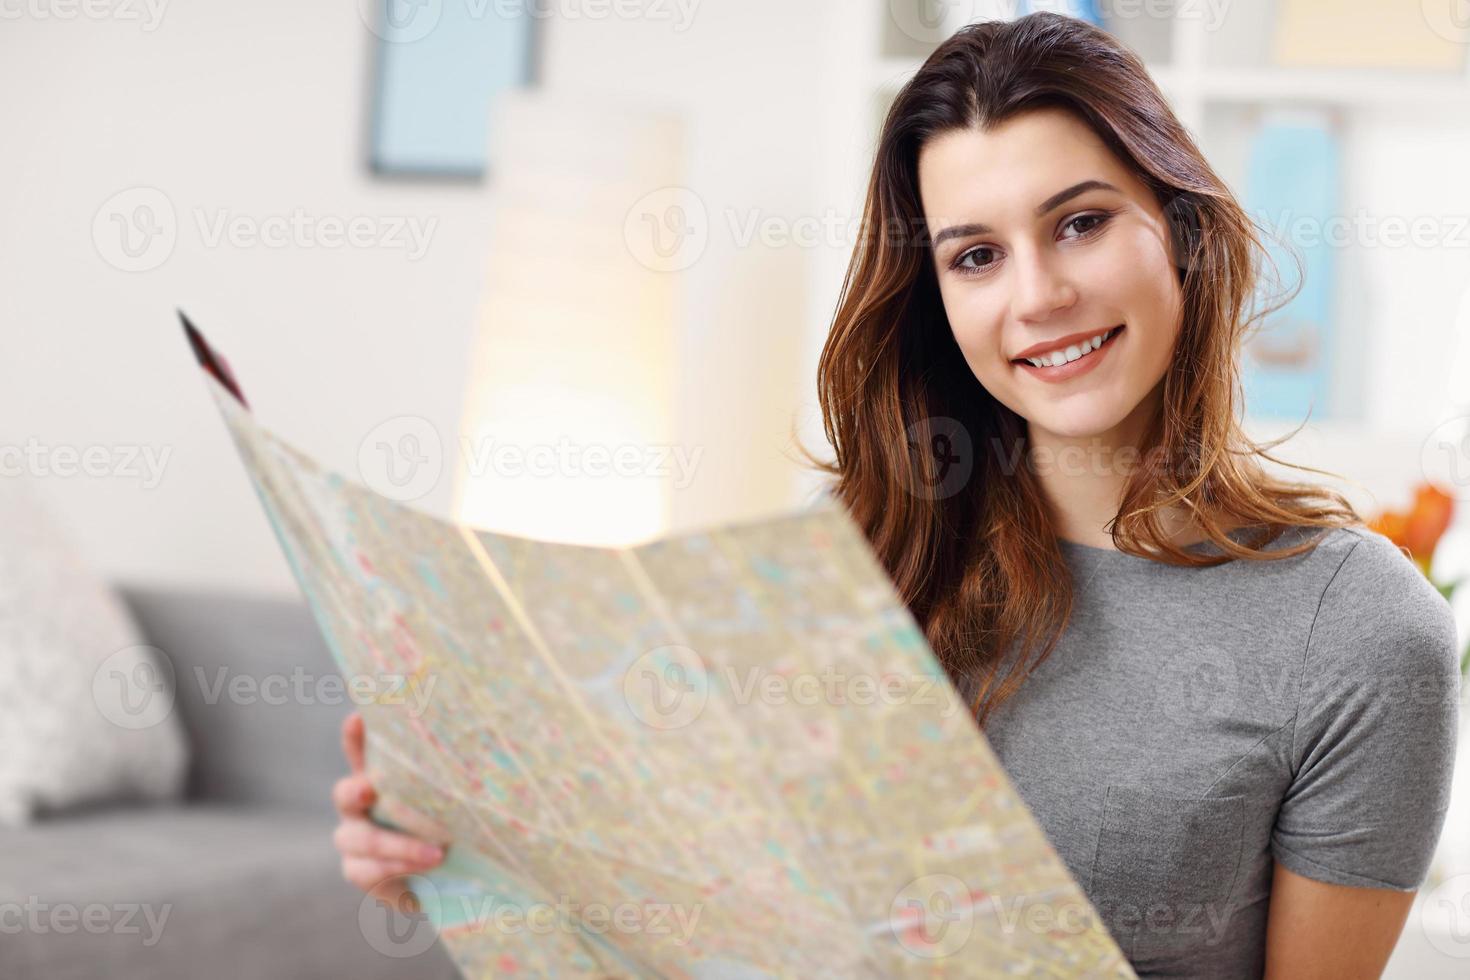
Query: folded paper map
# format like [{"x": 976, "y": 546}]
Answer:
[{"x": 721, "y": 754}]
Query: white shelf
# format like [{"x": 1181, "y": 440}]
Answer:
[
  {"x": 1365, "y": 87},
  {"x": 1336, "y": 86}
]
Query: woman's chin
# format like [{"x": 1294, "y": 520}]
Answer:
[{"x": 1086, "y": 415}]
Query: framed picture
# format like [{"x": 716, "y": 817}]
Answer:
[{"x": 438, "y": 68}]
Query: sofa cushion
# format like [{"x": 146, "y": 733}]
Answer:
[
  {"x": 88, "y": 707},
  {"x": 161, "y": 892},
  {"x": 257, "y": 693}
]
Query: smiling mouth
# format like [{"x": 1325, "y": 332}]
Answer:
[{"x": 1058, "y": 358}]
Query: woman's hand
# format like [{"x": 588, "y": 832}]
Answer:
[{"x": 373, "y": 857}]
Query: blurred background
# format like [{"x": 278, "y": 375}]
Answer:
[{"x": 564, "y": 268}]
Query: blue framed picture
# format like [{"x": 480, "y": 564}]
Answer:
[{"x": 438, "y": 69}]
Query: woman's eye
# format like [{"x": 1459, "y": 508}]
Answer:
[
  {"x": 984, "y": 252},
  {"x": 1086, "y": 224}
]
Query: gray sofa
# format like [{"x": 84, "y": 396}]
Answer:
[{"x": 239, "y": 880}]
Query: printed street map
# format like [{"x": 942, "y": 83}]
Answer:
[{"x": 721, "y": 754}]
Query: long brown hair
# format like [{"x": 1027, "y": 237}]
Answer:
[{"x": 976, "y": 559}]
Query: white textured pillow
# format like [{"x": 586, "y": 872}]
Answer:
[{"x": 85, "y": 708}]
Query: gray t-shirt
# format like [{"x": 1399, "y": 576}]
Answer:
[{"x": 1192, "y": 725}]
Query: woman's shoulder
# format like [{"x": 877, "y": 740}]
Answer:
[{"x": 1375, "y": 600}]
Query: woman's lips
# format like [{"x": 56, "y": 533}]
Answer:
[{"x": 1071, "y": 369}]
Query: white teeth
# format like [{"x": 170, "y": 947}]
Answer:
[{"x": 1071, "y": 353}]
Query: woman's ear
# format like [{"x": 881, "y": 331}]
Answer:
[
  {"x": 1181, "y": 211},
  {"x": 1187, "y": 237}
]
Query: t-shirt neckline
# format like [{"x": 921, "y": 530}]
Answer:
[{"x": 1206, "y": 548}]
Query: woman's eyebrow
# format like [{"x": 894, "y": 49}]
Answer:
[{"x": 1050, "y": 204}]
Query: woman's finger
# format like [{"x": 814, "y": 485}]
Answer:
[
  {"x": 382, "y": 882},
  {"x": 352, "y": 738},
  {"x": 361, "y": 838},
  {"x": 369, "y": 872},
  {"x": 353, "y": 795}
]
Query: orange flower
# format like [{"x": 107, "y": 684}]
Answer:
[
  {"x": 1420, "y": 529},
  {"x": 1391, "y": 524},
  {"x": 1428, "y": 520}
]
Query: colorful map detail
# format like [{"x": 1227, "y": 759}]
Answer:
[{"x": 723, "y": 754}]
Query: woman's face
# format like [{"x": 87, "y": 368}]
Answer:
[{"x": 1032, "y": 248}]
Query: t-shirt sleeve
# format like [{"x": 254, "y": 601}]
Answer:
[{"x": 1373, "y": 746}]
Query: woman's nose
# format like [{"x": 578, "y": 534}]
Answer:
[{"x": 1041, "y": 289}]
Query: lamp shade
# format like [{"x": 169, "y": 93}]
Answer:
[{"x": 568, "y": 431}]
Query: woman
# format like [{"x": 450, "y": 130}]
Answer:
[{"x": 1237, "y": 721}]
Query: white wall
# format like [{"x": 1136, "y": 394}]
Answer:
[
  {"x": 260, "y": 109},
  {"x": 255, "y": 108}
]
